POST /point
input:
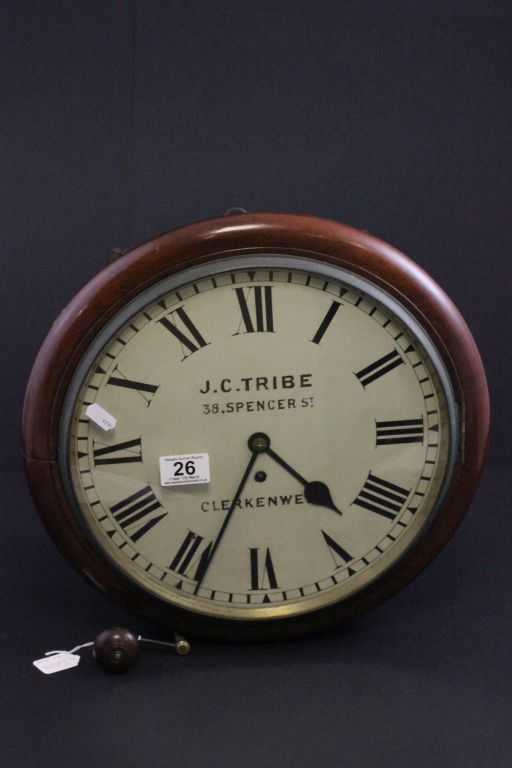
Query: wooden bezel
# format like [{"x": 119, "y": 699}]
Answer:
[{"x": 324, "y": 240}]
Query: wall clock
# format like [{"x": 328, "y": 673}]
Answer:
[{"x": 255, "y": 426}]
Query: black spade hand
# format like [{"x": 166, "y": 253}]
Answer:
[
  {"x": 318, "y": 493},
  {"x": 315, "y": 492}
]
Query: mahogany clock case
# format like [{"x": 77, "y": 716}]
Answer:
[{"x": 242, "y": 235}]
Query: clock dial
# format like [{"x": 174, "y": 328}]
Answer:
[{"x": 325, "y": 414}]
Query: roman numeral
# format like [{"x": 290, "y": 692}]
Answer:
[
  {"x": 398, "y": 432},
  {"x": 146, "y": 391},
  {"x": 129, "y": 451},
  {"x": 259, "y": 316},
  {"x": 135, "y": 513},
  {"x": 190, "y": 339},
  {"x": 263, "y": 575},
  {"x": 329, "y": 315},
  {"x": 380, "y": 367},
  {"x": 189, "y": 558},
  {"x": 338, "y": 554},
  {"x": 382, "y": 497}
]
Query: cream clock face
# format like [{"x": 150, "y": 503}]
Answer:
[{"x": 258, "y": 438}]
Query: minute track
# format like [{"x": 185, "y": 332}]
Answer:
[
  {"x": 301, "y": 479},
  {"x": 323, "y": 500}
]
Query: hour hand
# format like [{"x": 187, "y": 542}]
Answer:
[
  {"x": 315, "y": 492},
  {"x": 318, "y": 493}
]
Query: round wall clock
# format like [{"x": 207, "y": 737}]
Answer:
[{"x": 255, "y": 426}]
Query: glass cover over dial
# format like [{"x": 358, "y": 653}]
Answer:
[{"x": 283, "y": 433}]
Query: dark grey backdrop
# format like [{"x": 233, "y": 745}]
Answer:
[{"x": 123, "y": 119}]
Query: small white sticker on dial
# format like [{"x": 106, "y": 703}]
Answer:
[
  {"x": 189, "y": 469},
  {"x": 101, "y": 417},
  {"x": 57, "y": 662}
]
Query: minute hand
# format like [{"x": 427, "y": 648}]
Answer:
[
  {"x": 201, "y": 572},
  {"x": 315, "y": 492}
]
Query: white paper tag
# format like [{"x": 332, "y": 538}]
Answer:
[
  {"x": 190, "y": 469},
  {"x": 57, "y": 662},
  {"x": 101, "y": 417}
]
